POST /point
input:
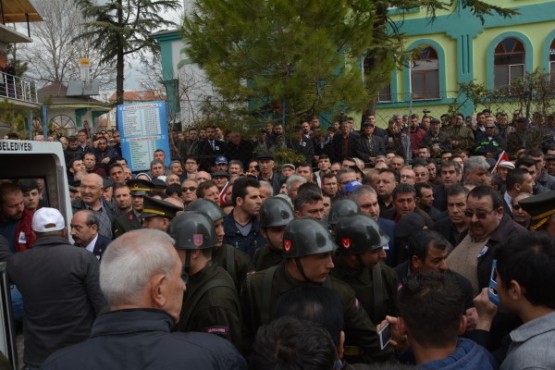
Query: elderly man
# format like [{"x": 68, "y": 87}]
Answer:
[
  {"x": 141, "y": 277},
  {"x": 59, "y": 285},
  {"x": 91, "y": 198},
  {"x": 84, "y": 231}
]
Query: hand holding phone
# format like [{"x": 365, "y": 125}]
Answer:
[
  {"x": 492, "y": 288},
  {"x": 385, "y": 335}
]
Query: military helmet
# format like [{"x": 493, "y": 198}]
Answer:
[
  {"x": 193, "y": 230},
  {"x": 306, "y": 236},
  {"x": 359, "y": 233},
  {"x": 342, "y": 208},
  {"x": 275, "y": 212},
  {"x": 207, "y": 207}
]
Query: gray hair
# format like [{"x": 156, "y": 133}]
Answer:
[
  {"x": 131, "y": 260},
  {"x": 266, "y": 184},
  {"x": 362, "y": 190},
  {"x": 293, "y": 179},
  {"x": 475, "y": 162}
]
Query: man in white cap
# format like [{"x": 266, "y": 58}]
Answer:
[{"x": 60, "y": 288}]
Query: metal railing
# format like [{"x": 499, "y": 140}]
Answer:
[{"x": 18, "y": 88}]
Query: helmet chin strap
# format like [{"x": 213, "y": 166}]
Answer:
[
  {"x": 187, "y": 264},
  {"x": 360, "y": 261},
  {"x": 301, "y": 270}
]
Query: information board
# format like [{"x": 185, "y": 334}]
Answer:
[{"x": 143, "y": 128}]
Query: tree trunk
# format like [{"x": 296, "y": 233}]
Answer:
[{"x": 120, "y": 60}]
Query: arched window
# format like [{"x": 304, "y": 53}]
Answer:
[
  {"x": 424, "y": 74},
  {"x": 508, "y": 62},
  {"x": 63, "y": 124}
]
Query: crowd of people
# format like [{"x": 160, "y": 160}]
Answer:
[{"x": 426, "y": 227}]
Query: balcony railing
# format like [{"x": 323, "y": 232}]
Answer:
[{"x": 18, "y": 88}]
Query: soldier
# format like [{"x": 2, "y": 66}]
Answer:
[
  {"x": 237, "y": 263},
  {"x": 157, "y": 214},
  {"x": 361, "y": 248},
  {"x": 308, "y": 249},
  {"x": 275, "y": 214},
  {"x": 210, "y": 303},
  {"x": 130, "y": 217},
  {"x": 341, "y": 208}
]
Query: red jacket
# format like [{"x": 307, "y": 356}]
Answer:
[{"x": 24, "y": 235}]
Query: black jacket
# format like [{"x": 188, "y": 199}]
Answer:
[
  {"x": 141, "y": 339},
  {"x": 507, "y": 228},
  {"x": 364, "y": 151},
  {"x": 61, "y": 295}
]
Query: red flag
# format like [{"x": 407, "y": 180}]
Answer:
[
  {"x": 502, "y": 157},
  {"x": 222, "y": 196}
]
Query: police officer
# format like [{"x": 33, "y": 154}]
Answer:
[
  {"x": 237, "y": 263},
  {"x": 275, "y": 214},
  {"x": 357, "y": 263},
  {"x": 210, "y": 303},
  {"x": 308, "y": 248}
]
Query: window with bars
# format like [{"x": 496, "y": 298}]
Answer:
[
  {"x": 425, "y": 74},
  {"x": 508, "y": 62}
]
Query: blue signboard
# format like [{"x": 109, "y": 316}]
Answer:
[{"x": 143, "y": 128}]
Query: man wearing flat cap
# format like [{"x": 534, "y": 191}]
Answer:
[
  {"x": 157, "y": 214},
  {"x": 267, "y": 173},
  {"x": 60, "y": 289}
]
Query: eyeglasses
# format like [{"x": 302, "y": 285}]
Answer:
[
  {"x": 479, "y": 215},
  {"x": 189, "y": 188},
  {"x": 490, "y": 127}
]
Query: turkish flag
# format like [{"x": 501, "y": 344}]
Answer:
[{"x": 502, "y": 157}]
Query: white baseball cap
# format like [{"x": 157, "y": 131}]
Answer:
[
  {"x": 507, "y": 164},
  {"x": 48, "y": 219}
]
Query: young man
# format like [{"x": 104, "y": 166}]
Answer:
[
  {"x": 357, "y": 262},
  {"x": 526, "y": 287},
  {"x": 308, "y": 248},
  {"x": 275, "y": 215},
  {"x": 432, "y": 317},
  {"x": 242, "y": 229}
]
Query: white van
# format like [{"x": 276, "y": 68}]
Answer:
[{"x": 45, "y": 162}]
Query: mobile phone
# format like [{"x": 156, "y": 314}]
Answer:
[
  {"x": 385, "y": 336},
  {"x": 492, "y": 288}
]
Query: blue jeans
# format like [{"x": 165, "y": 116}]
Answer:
[{"x": 17, "y": 303}]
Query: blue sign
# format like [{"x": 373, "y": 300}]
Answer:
[{"x": 143, "y": 128}]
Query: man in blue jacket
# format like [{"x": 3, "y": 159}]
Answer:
[{"x": 432, "y": 317}]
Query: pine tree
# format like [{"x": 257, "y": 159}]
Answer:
[
  {"x": 120, "y": 28},
  {"x": 304, "y": 56}
]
